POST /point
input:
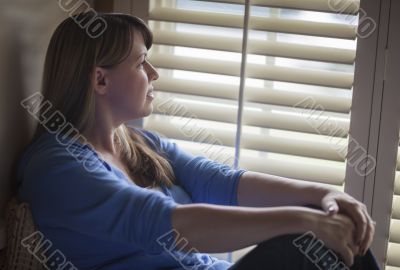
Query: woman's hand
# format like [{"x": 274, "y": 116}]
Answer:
[
  {"x": 335, "y": 202},
  {"x": 336, "y": 232}
]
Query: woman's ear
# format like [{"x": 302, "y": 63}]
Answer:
[{"x": 100, "y": 82}]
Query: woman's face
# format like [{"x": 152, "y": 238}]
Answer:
[{"x": 130, "y": 84}]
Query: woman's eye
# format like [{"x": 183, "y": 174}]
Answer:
[{"x": 141, "y": 64}]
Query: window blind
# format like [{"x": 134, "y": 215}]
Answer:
[
  {"x": 393, "y": 260},
  {"x": 296, "y": 52}
]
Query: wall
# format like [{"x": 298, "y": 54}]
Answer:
[{"x": 23, "y": 43}]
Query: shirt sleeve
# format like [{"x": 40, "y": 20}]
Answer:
[
  {"x": 63, "y": 193},
  {"x": 206, "y": 180}
]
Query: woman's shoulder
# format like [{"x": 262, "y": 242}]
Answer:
[{"x": 50, "y": 152}]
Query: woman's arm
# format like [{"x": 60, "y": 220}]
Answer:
[
  {"x": 264, "y": 190},
  {"x": 212, "y": 228}
]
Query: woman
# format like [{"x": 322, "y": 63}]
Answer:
[{"x": 108, "y": 196}]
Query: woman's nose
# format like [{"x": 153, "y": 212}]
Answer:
[{"x": 152, "y": 73}]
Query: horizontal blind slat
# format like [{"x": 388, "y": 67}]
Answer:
[
  {"x": 195, "y": 64},
  {"x": 256, "y": 71},
  {"x": 171, "y": 106},
  {"x": 195, "y": 17},
  {"x": 302, "y": 76},
  {"x": 296, "y": 123},
  {"x": 344, "y": 6},
  {"x": 388, "y": 267},
  {"x": 393, "y": 255},
  {"x": 396, "y": 207},
  {"x": 300, "y": 51},
  {"x": 297, "y": 170},
  {"x": 252, "y": 94},
  {"x": 299, "y": 27},
  {"x": 333, "y": 30},
  {"x": 394, "y": 235},
  {"x": 292, "y": 147},
  {"x": 398, "y": 158},
  {"x": 261, "y": 47},
  {"x": 190, "y": 87}
]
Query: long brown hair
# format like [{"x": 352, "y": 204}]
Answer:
[{"x": 70, "y": 61}]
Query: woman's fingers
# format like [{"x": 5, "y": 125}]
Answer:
[
  {"x": 350, "y": 236},
  {"x": 345, "y": 239},
  {"x": 357, "y": 212},
  {"x": 354, "y": 248},
  {"x": 367, "y": 240},
  {"x": 339, "y": 231},
  {"x": 347, "y": 254}
]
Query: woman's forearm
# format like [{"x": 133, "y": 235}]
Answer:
[
  {"x": 211, "y": 228},
  {"x": 264, "y": 190}
]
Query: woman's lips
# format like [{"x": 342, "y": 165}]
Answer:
[{"x": 150, "y": 94}]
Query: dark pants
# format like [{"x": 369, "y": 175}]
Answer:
[{"x": 299, "y": 252}]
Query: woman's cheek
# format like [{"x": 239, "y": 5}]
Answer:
[{"x": 143, "y": 87}]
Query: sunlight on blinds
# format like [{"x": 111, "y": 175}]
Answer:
[
  {"x": 199, "y": 66},
  {"x": 311, "y": 70},
  {"x": 298, "y": 54}
]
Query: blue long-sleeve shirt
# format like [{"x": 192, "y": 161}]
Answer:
[{"x": 99, "y": 219}]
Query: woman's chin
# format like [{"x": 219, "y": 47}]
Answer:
[{"x": 148, "y": 109}]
